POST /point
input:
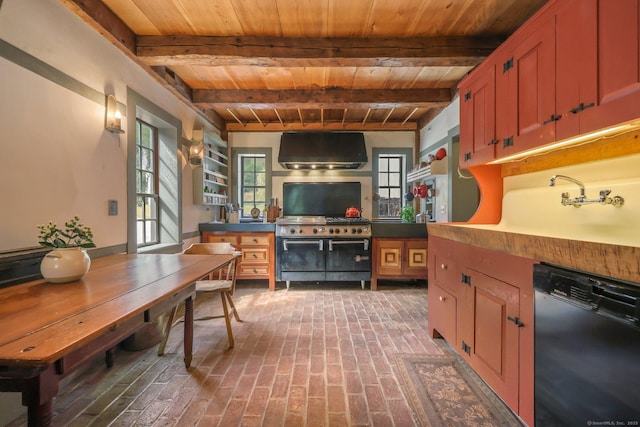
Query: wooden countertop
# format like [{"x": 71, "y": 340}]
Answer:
[{"x": 609, "y": 260}]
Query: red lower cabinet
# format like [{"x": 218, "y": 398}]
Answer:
[
  {"x": 495, "y": 341},
  {"x": 443, "y": 311},
  {"x": 480, "y": 301}
]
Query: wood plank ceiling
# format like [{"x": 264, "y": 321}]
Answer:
[{"x": 255, "y": 65}]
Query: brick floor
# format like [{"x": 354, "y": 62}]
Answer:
[{"x": 316, "y": 355}]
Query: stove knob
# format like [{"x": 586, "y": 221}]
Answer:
[
  {"x": 337, "y": 231},
  {"x": 353, "y": 231},
  {"x": 346, "y": 230},
  {"x": 359, "y": 230},
  {"x": 331, "y": 231},
  {"x": 292, "y": 231},
  {"x": 315, "y": 231}
]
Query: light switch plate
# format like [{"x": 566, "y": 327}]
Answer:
[{"x": 113, "y": 207}]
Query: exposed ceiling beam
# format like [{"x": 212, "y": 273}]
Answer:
[
  {"x": 338, "y": 126},
  {"x": 327, "y": 98},
  {"x": 315, "y": 51}
]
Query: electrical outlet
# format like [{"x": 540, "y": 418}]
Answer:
[{"x": 113, "y": 207}]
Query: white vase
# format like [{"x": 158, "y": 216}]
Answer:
[{"x": 65, "y": 265}]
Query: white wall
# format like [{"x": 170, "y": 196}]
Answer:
[{"x": 57, "y": 159}]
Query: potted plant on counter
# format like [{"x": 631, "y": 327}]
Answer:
[
  {"x": 407, "y": 213},
  {"x": 68, "y": 261}
]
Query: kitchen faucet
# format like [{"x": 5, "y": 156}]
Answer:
[{"x": 604, "y": 198}]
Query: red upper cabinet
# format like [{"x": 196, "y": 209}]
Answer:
[
  {"x": 525, "y": 89},
  {"x": 618, "y": 64},
  {"x": 572, "y": 69},
  {"x": 477, "y": 117},
  {"x": 576, "y": 65}
]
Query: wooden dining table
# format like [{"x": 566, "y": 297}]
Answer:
[{"x": 48, "y": 330}]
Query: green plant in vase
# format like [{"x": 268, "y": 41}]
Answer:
[
  {"x": 74, "y": 234},
  {"x": 68, "y": 261},
  {"x": 407, "y": 213}
]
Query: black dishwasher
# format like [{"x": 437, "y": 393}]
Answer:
[{"x": 587, "y": 349}]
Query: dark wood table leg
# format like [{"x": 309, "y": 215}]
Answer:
[
  {"x": 37, "y": 395},
  {"x": 40, "y": 415},
  {"x": 110, "y": 357},
  {"x": 188, "y": 331}
]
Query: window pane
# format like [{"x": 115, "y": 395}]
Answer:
[
  {"x": 139, "y": 208},
  {"x": 247, "y": 196},
  {"x": 248, "y": 179},
  {"x": 394, "y": 164},
  {"x": 151, "y": 232},
  {"x": 146, "y": 137},
  {"x": 394, "y": 180},
  {"x": 384, "y": 194},
  {"x": 146, "y": 162},
  {"x": 383, "y": 164},
  {"x": 395, "y": 193},
  {"x": 248, "y": 164},
  {"x": 151, "y": 209},
  {"x": 140, "y": 232},
  {"x": 147, "y": 183},
  {"x": 260, "y": 196},
  {"x": 383, "y": 180},
  {"x": 261, "y": 164},
  {"x": 261, "y": 179}
]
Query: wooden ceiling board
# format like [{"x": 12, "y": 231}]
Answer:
[
  {"x": 259, "y": 18},
  {"x": 344, "y": 17},
  {"x": 359, "y": 63}
]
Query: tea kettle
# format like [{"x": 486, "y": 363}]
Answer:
[{"x": 353, "y": 212}]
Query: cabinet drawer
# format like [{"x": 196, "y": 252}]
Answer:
[
  {"x": 215, "y": 238},
  {"x": 443, "y": 312},
  {"x": 255, "y": 255},
  {"x": 446, "y": 273},
  {"x": 254, "y": 240},
  {"x": 249, "y": 270}
]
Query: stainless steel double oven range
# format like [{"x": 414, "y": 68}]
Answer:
[{"x": 315, "y": 242}]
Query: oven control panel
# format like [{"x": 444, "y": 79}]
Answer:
[{"x": 334, "y": 230}]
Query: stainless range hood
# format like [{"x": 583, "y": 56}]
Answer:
[{"x": 322, "y": 150}]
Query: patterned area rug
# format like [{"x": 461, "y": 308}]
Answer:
[{"x": 445, "y": 392}]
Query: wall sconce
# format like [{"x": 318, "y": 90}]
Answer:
[
  {"x": 113, "y": 119},
  {"x": 195, "y": 153}
]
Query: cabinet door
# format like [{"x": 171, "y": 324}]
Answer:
[
  {"x": 525, "y": 91},
  {"x": 618, "y": 81},
  {"x": 416, "y": 258},
  {"x": 494, "y": 350},
  {"x": 442, "y": 313},
  {"x": 576, "y": 65},
  {"x": 477, "y": 112},
  {"x": 390, "y": 257}
]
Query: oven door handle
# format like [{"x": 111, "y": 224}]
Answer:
[
  {"x": 286, "y": 243},
  {"x": 364, "y": 242}
]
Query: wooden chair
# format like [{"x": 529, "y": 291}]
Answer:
[{"x": 222, "y": 281}]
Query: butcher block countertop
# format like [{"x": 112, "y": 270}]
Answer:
[{"x": 610, "y": 260}]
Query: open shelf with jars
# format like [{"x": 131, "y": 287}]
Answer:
[{"x": 210, "y": 178}]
